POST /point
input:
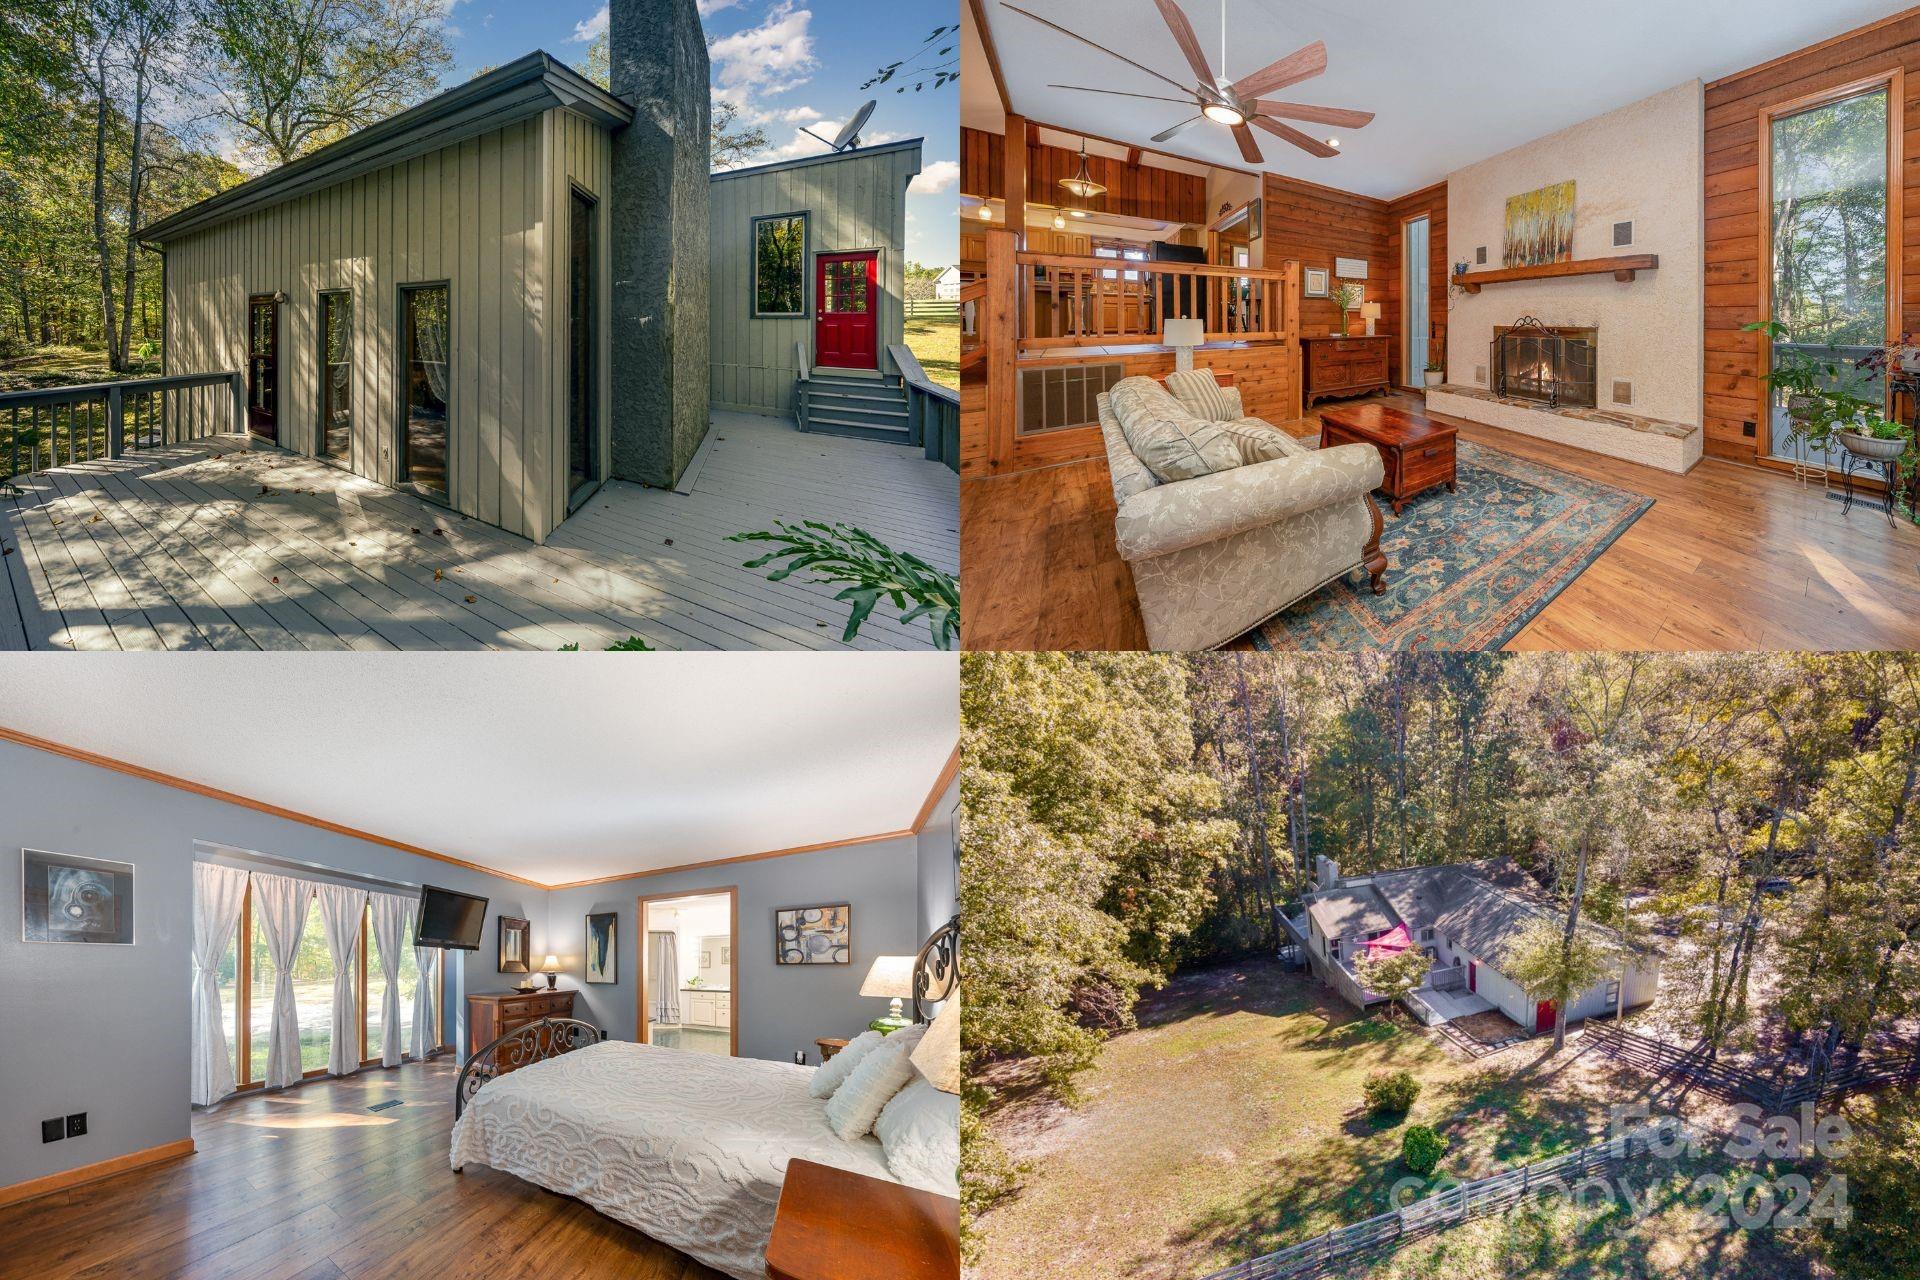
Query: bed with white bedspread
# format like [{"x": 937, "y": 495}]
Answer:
[{"x": 690, "y": 1148}]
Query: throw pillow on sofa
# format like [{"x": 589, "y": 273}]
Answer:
[
  {"x": 1203, "y": 395},
  {"x": 1169, "y": 441}
]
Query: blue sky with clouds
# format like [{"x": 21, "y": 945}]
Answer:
[{"x": 785, "y": 63}]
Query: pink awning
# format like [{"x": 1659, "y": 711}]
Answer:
[{"x": 1392, "y": 942}]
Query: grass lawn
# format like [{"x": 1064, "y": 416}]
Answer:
[
  {"x": 935, "y": 343},
  {"x": 66, "y": 366},
  {"x": 1229, "y": 1125}
]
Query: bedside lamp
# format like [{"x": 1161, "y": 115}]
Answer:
[
  {"x": 937, "y": 1056},
  {"x": 1370, "y": 312},
  {"x": 890, "y": 977},
  {"x": 553, "y": 971},
  {"x": 1183, "y": 336}
]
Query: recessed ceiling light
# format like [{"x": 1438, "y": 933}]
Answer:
[
  {"x": 1078, "y": 213},
  {"x": 1221, "y": 113},
  {"x": 1334, "y": 143}
]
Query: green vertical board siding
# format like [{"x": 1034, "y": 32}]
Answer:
[
  {"x": 482, "y": 215},
  {"x": 857, "y": 200}
]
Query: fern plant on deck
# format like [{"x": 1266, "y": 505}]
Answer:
[{"x": 871, "y": 570}]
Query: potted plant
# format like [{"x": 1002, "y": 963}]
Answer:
[
  {"x": 1873, "y": 435},
  {"x": 1436, "y": 373},
  {"x": 1349, "y": 295}
]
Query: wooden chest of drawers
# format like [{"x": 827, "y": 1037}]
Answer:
[
  {"x": 1343, "y": 366},
  {"x": 492, "y": 1016}
]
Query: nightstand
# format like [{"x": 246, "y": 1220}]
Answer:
[
  {"x": 829, "y": 1047},
  {"x": 836, "y": 1225}
]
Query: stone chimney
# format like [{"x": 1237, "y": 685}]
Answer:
[
  {"x": 1329, "y": 873},
  {"x": 658, "y": 63}
]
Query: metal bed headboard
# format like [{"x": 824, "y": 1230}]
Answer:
[
  {"x": 536, "y": 1042},
  {"x": 936, "y": 970}
]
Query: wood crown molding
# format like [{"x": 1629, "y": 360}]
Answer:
[
  {"x": 1770, "y": 64},
  {"x": 36, "y": 1187},
  {"x": 94, "y": 758},
  {"x": 993, "y": 55}
]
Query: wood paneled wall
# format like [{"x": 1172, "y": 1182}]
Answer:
[
  {"x": 1433, "y": 203},
  {"x": 1317, "y": 224},
  {"x": 1735, "y": 206},
  {"x": 1138, "y": 191}
]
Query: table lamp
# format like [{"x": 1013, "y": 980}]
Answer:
[
  {"x": 553, "y": 971},
  {"x": 1183, "y": 336},
  {"x": 1370, "y": 312},
  {"x": 890, "y": 977}
]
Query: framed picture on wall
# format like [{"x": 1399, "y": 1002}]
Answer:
[
  {"x": 1256, "y": 219},
  {"x": 603, "y": 947},
  {"x": 67, "y": 898},
  {"x": 813, "y": 935},
  {"x": 516, "y": 945},
  {"x": 1313, "y": 283}
]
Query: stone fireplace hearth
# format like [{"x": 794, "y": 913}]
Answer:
[{"x": 1652, "y": 442}]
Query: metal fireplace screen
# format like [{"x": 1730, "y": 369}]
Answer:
[{"x": 1557, "y": 367}]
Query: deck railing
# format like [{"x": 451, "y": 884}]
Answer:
[
  {"x": 1069, "y": 301},
  {"x": 56, "y": 426},
  {"x": 933, "y": 411}
]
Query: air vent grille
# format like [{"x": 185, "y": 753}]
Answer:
[
  {"x": 1622, "y": 391},
  {"x": 1058, "y": 398},
  {"x": 1622, "y": 235},
  {"x": 1480, "y": 255}
]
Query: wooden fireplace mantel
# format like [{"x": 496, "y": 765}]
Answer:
[{"x": 1621, "y": 268}]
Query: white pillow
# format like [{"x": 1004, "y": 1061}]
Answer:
[
  {"x": 856, "y": 1104},
  {"x": 830, "y": 1074},
  {"x": 920, "y": 1132}
]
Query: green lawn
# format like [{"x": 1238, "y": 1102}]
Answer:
[
  {"x": 66, "y": 366},
  {"x": 935, "y": 343},
  {"x": 1230, "y": 1126}
]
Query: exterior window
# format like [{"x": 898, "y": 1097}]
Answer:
[
  {"x": 780, "y": 265},
  {"x": 1426, "y": 935},
  {"x": 1333, "y": 948},
  {"x": 336, "y": 375},
  {"x": 583, "y": 379},
  {"x": 425, "y": 333}
]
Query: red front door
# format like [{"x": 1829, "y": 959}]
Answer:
[
  {"x": 1473, "y": 975},
  {"x": 1543, "y": 1017},
  {"x": 846, "y": 332}
]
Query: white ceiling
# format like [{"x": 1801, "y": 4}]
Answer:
[
  {"x": 554, "y": 767},
  {"x": 1452, "y": 83}
]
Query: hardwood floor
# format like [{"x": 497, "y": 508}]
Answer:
[
  {"x": 1729, "y": 557},
  {"x": 309, "y": 1185}
]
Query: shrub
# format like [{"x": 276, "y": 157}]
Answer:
[
  {"x": 1422, "y": 1148},
  {"x": 1391, "y": 1092}
]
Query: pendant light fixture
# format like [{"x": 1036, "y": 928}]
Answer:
[
  {"x": 1082, "y": 183},
  {"x": 1059, "y": 222}
]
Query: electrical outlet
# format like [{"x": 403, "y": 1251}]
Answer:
[
  {"x": 1746, "y": 428},
  {"x": 53, "y": 1130},
  {"x": 77, "y": 1125},
  {"x": 799, "y": 1057}
]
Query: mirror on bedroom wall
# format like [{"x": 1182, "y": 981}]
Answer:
[{"x": 688, "y": 972}]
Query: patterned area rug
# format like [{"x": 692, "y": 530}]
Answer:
[{"x": 1467, "y": 570}]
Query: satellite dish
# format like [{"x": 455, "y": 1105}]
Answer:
[{"x": 849, "y": 135}]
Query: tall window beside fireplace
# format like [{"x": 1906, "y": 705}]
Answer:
[{"x": 1827, "y": 257}]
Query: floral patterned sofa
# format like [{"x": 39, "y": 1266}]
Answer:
[{"x": 1270, "y": 521}]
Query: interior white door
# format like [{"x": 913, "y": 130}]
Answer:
[{"x": 1415, "y": 317}]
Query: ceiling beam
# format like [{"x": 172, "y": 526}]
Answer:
[{"x": 981, "y": 29}]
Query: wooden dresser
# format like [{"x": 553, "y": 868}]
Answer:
[
  {"x": 492, "y": 1016},
  {"x": 1343, "y": 366}
]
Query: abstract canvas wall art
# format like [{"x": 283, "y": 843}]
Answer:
[
  {"x": 813, "y": 935},
  {"x": 1539, "y": 227},
  {"x": 68, "y": 898},
  {"x": 603, "y": 947}
]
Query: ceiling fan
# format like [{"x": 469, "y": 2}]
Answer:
[{"x": 1237, "y": 103}]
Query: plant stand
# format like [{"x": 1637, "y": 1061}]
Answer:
[{"x": 1888, "y": 469}]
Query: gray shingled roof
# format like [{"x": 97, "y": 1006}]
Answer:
[{"x": 1343, "y": 913}]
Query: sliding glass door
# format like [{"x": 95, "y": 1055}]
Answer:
[
  {"x": 1828, "y": 279},
  {"x": 425, "y": 338}
]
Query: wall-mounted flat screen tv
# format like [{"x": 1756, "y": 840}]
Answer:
[{"x": 448, "y": 920}]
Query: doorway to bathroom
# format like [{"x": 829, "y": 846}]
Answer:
[{"x": 689, "y": 969}]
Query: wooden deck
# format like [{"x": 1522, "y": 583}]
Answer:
[{"x": 223, "y": 545}]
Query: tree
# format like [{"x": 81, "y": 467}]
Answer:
[
  {"x": 729, "y": 140},
  {"x": 1881, "y": 1236},
  {"x": 1396, "y": 976},
  {"x": 290, "y": 76},
  {"x": 1548, "y": 965}
]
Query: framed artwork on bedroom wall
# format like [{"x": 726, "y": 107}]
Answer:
[
  {"x": 68, "y": 898},
  {"x": 603, "y": 948},
  {"x": 813, "y": 935},
  {"x": 516, "y": 945}
]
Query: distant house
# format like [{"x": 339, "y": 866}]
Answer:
[
  {"x": 946, "y": 285},
  {"x": 1467, "y": 917}
]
